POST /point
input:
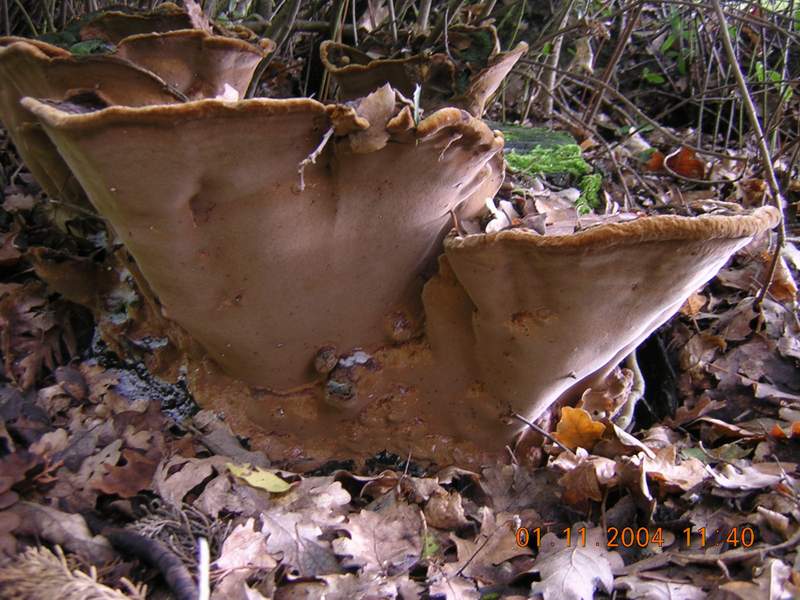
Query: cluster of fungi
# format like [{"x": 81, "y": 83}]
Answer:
[{"x": 299, "y": 256}]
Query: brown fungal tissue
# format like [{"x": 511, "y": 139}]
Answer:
[
  {"x": 196, "y": 63},
  {"x": 277, "y": 262},
  {"x": 147, "y": 69},
  {"x": 297, "y": 242},
  {"x": 43, "y": 71},
  {"x": 114, "y": 26},
  {"x": 465, "y": 76},
  {"x": 546, "y": 312}
]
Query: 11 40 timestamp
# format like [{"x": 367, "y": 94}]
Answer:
[{"x": 641, "y": 537}]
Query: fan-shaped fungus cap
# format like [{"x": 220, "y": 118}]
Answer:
[
  {"x": 260, "y": 253},
  {"x": 549, "y": 311},
  {"x": 36, "y": 69},
  {"x": 113, "y": 26},
  {"x": 443, "y": 82},
  {"x": 197, "y": 64}
]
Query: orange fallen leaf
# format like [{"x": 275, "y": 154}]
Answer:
[
  {"x": 686, "y": 164},
  {"x": 752, "y": 192},
  {"x": 577, "y": 429},
  {"x": 777, "y": 432},
  {"x": 655, "y": 162}
]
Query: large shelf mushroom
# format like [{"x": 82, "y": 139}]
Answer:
[
  {"x": 293, "y": 240},
  {"x": 279, "y": 263}
]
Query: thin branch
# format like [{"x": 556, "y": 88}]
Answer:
[
  {"x": 766, "y": 157},
  {"x": 541, "y": 432},
  {"x": 594, "y": 104},
  {"x": 312, "y": 158}
]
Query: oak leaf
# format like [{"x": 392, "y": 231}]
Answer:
[
  {"x": 576, "y": 429},
  {"x": 385, "y": 542},
  {"x": 575, "y": 571},
  {"x": 686, "y": 164}
]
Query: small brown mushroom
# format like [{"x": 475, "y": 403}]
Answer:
[
  {"x": 113, "y": 26},
  {"x": 197, "y": 64},
  {"x": 442, "y": 79}
]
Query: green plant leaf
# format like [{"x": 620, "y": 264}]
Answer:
[{"x": 652, "y": 77}]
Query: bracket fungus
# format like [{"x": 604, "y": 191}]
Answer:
[
  {"x": 466, "y": 76},
  {"x": 39, "y": 70},
  {"x": 113, "y": 26},
  {"x": 540, "y": 315},
  {"x": 297, "y": 243},
  {"x": 194, "y": 62},
  {"x": 147, "y": 69},
  {"x": 264, "y": 264}
]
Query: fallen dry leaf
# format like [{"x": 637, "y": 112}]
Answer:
[
  {"x": 445, "y": 511},
  {"x": 693, "y": 305},
  {"x": 243, "y": 553},
  {"x": 586, "y": 476},
  {"x": 576, "y": 429},
  {"x": 295, "y": 538},
  {"x": 134, "y": 476},
  {"x": 747, "y": 477},
  {"x": 259, "y": 478},
  {"x": 483, "y": 558},
  {"x": 67, "y": 530},
  {"x": 686, "y": 164},
  {"x": 638, "y": 588},
  {"x": 772, "y": 583},
  {"x": 384, "y": 542},
  {"x": 575, "y": 571}
]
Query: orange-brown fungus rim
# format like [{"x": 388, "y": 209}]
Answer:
[
  {"x": 645, "y": 229},
  {"x": 48, "y": 50},
  {"x": 208, "y": 39},
  {"x": 357, "y": 68},
  {"x": 37, "y": 52},
  {"x": 469, "y": 127}
]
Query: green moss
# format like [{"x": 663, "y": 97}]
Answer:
[
  {"x": 517, "y": 135},
  {"x": 550, "y": 161},
  {"x": 91, "y": 47},
  {"x": 549, "y": 152},
  {"x": 590, "y": 193}
]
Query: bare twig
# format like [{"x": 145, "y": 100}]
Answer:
[
  {"x": 594, "y": 103},
  {"x": 392, "y": 17},
  {"x": 766, "y": 157},
  {"x": 550, "y": 76},
  {"x": 541, "y": 432},
  {"x": 312, "y": 158},
  {"x": 423, "y": 18}
]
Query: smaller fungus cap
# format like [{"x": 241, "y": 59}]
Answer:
[
  {"x": 549, "y": 311},
  {"x": 468, "y": 84},
  {"x": 194, "y": 62},
  {"x": 29, "y": 68},
  {"x": 114, "y": 26}
]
